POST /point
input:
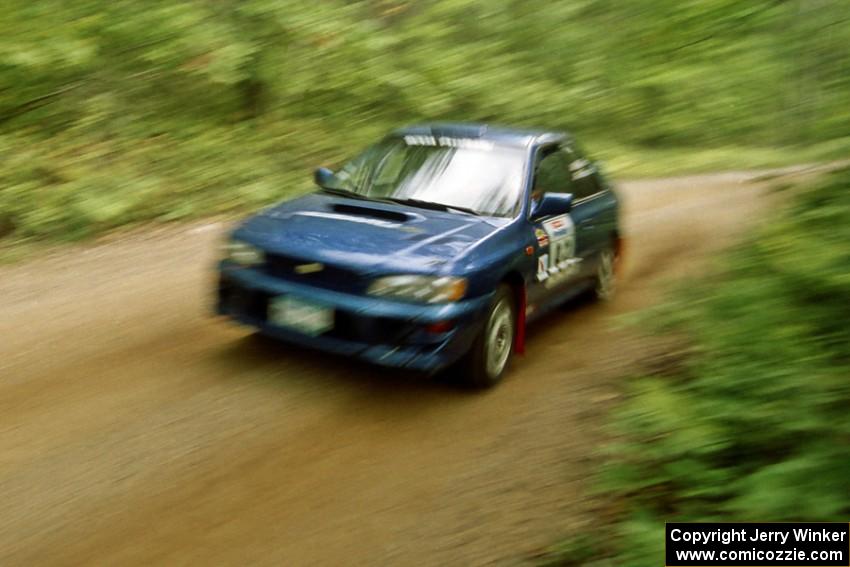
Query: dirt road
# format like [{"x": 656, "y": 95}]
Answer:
[{"x": 134, "y": 428}]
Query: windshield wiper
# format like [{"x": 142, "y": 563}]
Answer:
[
  {"x": 402, "y": 201},
  {"x": 355, "y": 195},
  {"x": 432, "y": 205},
  {"x": 344, "y": 193}
]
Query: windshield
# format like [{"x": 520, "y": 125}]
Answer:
[{"x": 469, "y": 174}]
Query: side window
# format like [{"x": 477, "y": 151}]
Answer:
[{"x": 551, "y": 175}]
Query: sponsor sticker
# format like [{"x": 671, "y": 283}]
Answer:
[
  {"x": 560, "y": 263},
  {"x": 542, "y": 237},
  {"x": 447, "y": 142},
  {"x": 559, "y": 227}
]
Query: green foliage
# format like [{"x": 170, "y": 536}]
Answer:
[
  {"x": 753, "y": 424},
  {"x": 120, "y": 111}
]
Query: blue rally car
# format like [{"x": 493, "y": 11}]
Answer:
[{"x": 433, "y": 247}]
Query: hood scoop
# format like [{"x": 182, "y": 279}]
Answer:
[{"x": 382, "y": 214}]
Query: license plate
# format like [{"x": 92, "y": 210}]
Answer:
[{"x": 300, "y": 315}]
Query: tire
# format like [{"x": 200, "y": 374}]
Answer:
[
  {"x": 605, "y": 280},
  {"x": 491, "y": 353}
]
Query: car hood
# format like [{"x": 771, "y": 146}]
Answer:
[{"x": 368, "y": 236}]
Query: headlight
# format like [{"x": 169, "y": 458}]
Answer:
[
  {"x": 427, "y": 289},
  {"x": 243, "y": 253}
]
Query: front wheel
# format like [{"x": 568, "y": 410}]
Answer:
[{"x": 491, "y": 352}]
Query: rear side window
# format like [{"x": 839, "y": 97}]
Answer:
[{"x": 582, "y": 173}]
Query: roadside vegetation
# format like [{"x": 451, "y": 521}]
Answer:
[
  {"x": 748, "y": 420},
  {"x": 116, "y": 112}
]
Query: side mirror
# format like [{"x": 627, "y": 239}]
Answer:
[
  {"x": 324, "y": 177},
  {"x": 552, "y": 204}
]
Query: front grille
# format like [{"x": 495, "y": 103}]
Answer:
[
  {"x": 329, "y": 277},
  {"x": 372, "y": 330}
]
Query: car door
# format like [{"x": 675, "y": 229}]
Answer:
[
  {"x": 558, "y": 253},
  {"x": 588, "y": 207}
]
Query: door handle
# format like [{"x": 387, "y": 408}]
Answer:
[{"x": 586, "y": 224}]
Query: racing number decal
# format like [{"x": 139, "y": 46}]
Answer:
[
  {"x": 543, "y": 267},
  {"x": 560, "y": 262}
]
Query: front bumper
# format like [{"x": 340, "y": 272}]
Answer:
[{"x": 378, "y": 330}]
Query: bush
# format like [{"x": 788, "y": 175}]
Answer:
[{"x": 753, "y": 424}]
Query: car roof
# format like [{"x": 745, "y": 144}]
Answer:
[{"x": 496, "y": 134}]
